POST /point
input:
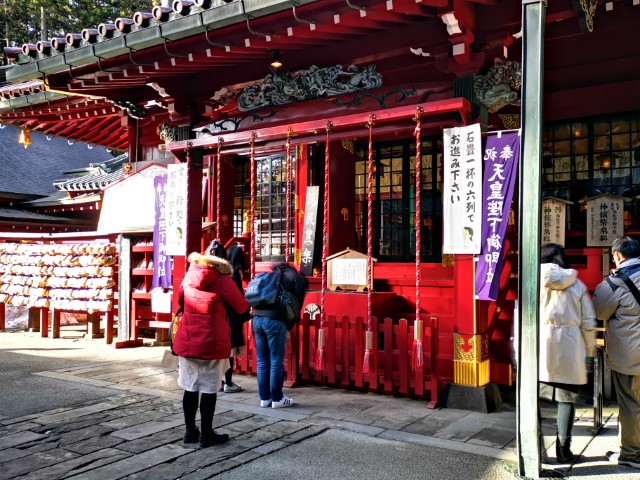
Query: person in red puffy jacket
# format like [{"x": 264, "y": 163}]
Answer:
[{"x": 203, "y": 341}]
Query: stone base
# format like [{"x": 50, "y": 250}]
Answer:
[{"x": 485, "y": 399}]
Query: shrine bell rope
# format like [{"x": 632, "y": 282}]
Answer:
[
  {"x": 187, "y": 196},
  {"x": 320, "y": 356},
  {"x": 287, "y": 244},
  {"x": 417, "y": 354},
  {"x": 366, "y": 364},
  {"x": 218, "y": 196},
  {"x": 252, "y": 164}
]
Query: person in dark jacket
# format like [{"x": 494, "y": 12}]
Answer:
[
  {"x": 617, "y": 306},
  {"x": 203, "y": 341},
  {"x": 270, "y": 333},
  {"x": 236, "y": 321}
]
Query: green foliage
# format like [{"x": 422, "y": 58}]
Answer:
[{"x": 20, "y": 20}]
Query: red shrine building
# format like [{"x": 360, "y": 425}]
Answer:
[{"x": 317, "y": 127}]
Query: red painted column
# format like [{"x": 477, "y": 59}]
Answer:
[{"x": 470, "y": 349}]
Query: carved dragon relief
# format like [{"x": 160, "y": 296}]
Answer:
[
  {"x": 500, "y": 86},
  {"x": 311, "y": 83}
]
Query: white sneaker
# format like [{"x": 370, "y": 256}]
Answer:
[
  {"x": 265, "y": 403},
  {"x": 285, "y": 402},
  {"x": 232, "y": 388}
]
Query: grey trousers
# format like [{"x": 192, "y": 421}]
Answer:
[{"x": 628, "y": 393}]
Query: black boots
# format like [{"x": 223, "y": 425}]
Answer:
[
  {"x": 211, "y": 437},
  {"x": 563, "y": 450}
]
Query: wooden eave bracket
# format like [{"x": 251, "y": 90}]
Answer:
[{"x": 456, "y": 110}]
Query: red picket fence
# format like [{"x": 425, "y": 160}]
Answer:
[{"x": 391, "y": 358}]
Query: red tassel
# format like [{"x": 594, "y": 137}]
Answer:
[
  {"x": 417, "y": 355},
  {"x": 320, "y": 360},
  {"x": 366, "y": 363},
  {"x": 417, "y": 351}
]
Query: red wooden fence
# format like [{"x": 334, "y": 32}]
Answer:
[{"x": 344, "y": 354}]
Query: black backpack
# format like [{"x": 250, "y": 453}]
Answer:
[{"x": 289, "y": 306}]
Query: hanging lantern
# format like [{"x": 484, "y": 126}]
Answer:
[{"x": 25, "y": 137}]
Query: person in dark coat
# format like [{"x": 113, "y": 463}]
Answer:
[
  {"x": 270, "y": 333},
  {"x": 236, "y": 321},
  {"x": 203, "y": 341}
]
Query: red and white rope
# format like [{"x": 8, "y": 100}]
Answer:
[
  {"x": 218, "y": 183},
  {"x": 325, "y": 225},
  {"x": 187, "y": 196},
  {"x": 252, "y": 164},
  {"x": 287, "y": 243},
  {"x": 370, "y": 220},
  {"x": 418, "y": 207}
]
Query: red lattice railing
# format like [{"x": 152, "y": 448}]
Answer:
[{"x": 345, "y": 344}]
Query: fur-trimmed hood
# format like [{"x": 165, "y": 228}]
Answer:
[{"x": 208, "y": 261}]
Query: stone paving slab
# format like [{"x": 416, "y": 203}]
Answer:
[
  {"x": 133, "y": 464},
  {"x": 149, "y": 428},
  {"x": 77, "y": 465},
  {"x": 16, "y": 439},
  {"x": 36, "y": 461}
]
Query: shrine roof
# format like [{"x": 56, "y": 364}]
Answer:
[
  {"x": 24, "y": 215},
  {"x": 98, "y": 176},
  {"x": 33, "y": 170}
]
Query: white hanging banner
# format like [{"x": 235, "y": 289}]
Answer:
[
  {"x": 605, "y": 220},
  {"x": 176, "y": 205},
  {"x": 554, "y": 214},
  {"x": 462, "y": 189}
]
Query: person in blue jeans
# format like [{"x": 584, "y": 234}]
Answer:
[{"x": 270, "y": 333}]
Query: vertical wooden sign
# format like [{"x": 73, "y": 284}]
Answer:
[
  {"x": 309, "y": 230},
  {"x": 605, "y": 215},
  {"x": 554, "y": 214}
]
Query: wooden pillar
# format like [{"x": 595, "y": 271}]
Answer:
[
  {"x": 302, "y": 179},
  {"x": 3, "y": 326},
  {"x": 93, "y": 326},
  {"x": 55, "y": 323},
  {"x": 471, "y": 344},
  {"x": 34, "y": 320},
  {"x": 341, "y": 198},
  {"x": 227, "y": 189},
  {"x": 44, "y": 322},
  {"x": 108, "y": 327}
]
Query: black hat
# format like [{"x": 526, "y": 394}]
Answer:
[{"x": 216, "y": 249}]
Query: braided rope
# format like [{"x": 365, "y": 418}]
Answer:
[
  {"x": 287, "y": 244},
  {"x": 252, "y": 164},
  {"x": 218, "y": 195},
  {"x": 370, "y": 123},
  {"x": 325, "y": 224},
  {"x": 418, "y": 207},
  {"x": 187, "y": 196}
]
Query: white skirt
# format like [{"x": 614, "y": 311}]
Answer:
[{"x": 204, "y": 376}]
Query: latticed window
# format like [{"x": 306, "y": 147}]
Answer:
[
  {"x": 393, "y": 212},
  {"x": 585, "y": 158},
  {"x": 270, "y": 214}
]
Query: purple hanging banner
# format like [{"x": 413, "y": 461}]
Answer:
[
  {"x": 501, "y": 155},
  {"x": 161, "y": 261}
]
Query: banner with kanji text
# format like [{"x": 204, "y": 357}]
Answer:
[
  {"x": 462, "y": 194},
  {"x": 501, "y": 155}
]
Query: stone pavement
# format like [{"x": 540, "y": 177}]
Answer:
[{"x": 137, "y": 433}]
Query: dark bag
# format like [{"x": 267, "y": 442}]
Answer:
[
  {"x": 289, "y": 306},
  {"x": 176, "y": 318},
  {"x": 262, "y": 291}
]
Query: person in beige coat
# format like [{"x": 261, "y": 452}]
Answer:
[{"x": 567, "y": 340}]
